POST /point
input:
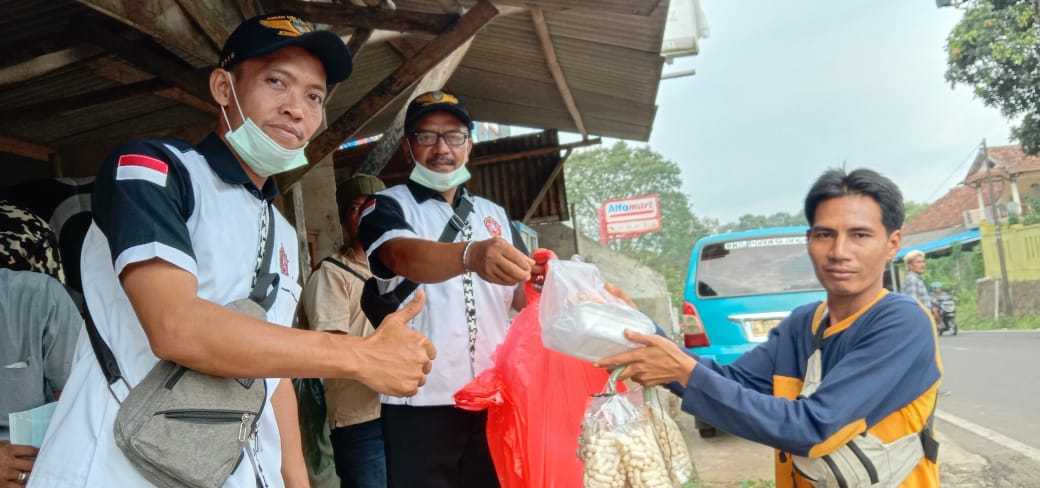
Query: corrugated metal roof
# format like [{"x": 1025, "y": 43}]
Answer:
[{"x": 611, "y": 62}]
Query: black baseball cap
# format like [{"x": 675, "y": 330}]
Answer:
[
  {"x": 435, "y": 101},
  {"x": 265, "y": 34}
]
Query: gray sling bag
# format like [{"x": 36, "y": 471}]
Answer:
[{"x": 181, "y": 428}]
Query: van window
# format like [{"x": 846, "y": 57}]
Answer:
[{"x": 755, "y": 266}]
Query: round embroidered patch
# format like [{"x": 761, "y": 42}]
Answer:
[{"x": 493, "y": 226}]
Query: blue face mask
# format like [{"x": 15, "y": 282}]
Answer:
[
  {"x": 265, "y": 156},
  {"x": 436, "y": 180}
]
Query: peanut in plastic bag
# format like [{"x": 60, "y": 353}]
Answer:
[
  {"x": 627, "y": 440},
  {"x": 580, "y": 318}
]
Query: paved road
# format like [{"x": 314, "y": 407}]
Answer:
[{"x": 993, "y": 379}]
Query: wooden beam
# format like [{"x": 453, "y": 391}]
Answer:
[
  {"x": 147, "y": 56},
  {"x": 211, "y": 19},
  {"x": 397, "y": 83},
  {"x": 248, "y": 8},
  {"x": 357, "y": 42},
  {"x": 25, "y": 149},
  {"x": 369, "y": 18},
  {"x": 555, "y": 173},
  {"x": 530, "y": 153},
  {"x": 52, "y": 108},
  {"x": 160, "y": 19},
  {"x": 626, "y": 7},
  {"x": 452, "y": 6},
  {"x": 119, "y": 71},
  {"x": 554, "y": 68},
  {"x": 46, "y": 63}
]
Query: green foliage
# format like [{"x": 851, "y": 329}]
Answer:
[
  {"x": 994, "y": 49},
  {"x": 757, "y": 484},
  {"x": 1031, "y": 208},
  {"x": 596, "y": 175},
  {"x": 958, "y": 272},
  {"x": 749, "y": 221},
  {"x": 911, "y": 209}
]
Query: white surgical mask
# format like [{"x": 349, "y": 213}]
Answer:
[
  {"x": 265, "y": 156},
  {"x": 434, "y": 179}
]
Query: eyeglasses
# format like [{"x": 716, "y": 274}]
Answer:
[{"x": 453, "y": 138}]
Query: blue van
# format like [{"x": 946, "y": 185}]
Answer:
[{"x": 742, "y": 284}]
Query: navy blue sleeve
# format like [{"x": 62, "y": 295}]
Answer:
[
  {"x": 142, "y": 201},
  {"x": 382, "y": 219},
  {"x": 892, "y": 364}
]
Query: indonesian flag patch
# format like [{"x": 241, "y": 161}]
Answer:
[{"x": 141, "y": 167}]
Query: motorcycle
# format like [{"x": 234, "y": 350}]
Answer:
[{"x": 945, "y": 310}]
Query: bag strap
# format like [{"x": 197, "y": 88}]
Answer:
[
  {"x": 265, "y": 284},
  {"x": 455, "y": 225},
  {"x": 344, "y": 266},
  {"x": 107, "y": 360}
]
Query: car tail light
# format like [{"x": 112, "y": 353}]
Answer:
[{"x": 692, "y": 328}]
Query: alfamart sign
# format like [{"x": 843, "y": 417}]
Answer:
[{"x": 625, "y": 218}]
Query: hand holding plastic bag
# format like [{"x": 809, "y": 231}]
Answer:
[
  {"x": 535, "y": 399},
  {"x": 581, "y": 318}
]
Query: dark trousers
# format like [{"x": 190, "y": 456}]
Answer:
[
  {"x": 360, "y": 455},
  {"x": 437, "y": 447}
]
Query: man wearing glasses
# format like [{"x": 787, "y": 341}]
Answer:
[{"x": 470, "y": 283}]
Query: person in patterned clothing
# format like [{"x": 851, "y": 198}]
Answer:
[
  {"x": 914, "y": 285},
  {"x": 27, "y": 242}
]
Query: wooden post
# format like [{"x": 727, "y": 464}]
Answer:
[
  {"x": 555, "y": 173},
  {"x": 300, "y": 223}
]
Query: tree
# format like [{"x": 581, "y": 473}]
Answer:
[
  {"x": 911, "y": 209},
  {"x": 750, "y": 221},
  {"x": 600, "y": 174},
  {"x": 994, "y": 49}
]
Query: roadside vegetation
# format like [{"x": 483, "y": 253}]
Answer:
[{"x": 958, "y": 272}]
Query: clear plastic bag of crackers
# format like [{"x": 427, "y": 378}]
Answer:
[{"x": 581, "y": 318}]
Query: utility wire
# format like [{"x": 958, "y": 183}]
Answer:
[{"x": 959, "y": 168}]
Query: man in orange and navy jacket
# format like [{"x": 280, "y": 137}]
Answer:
[{"x": 881, "y": 364}]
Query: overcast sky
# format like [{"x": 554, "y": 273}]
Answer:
[{"x": 786, "y": 89}]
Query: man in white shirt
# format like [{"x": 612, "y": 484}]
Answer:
[
  {"x": 178, "y": 232},
  {"x": 470, "y": 284}
]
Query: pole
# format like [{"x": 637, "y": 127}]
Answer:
[
  {"x": 1005, "y": 290},
  {"x": 574, "y": 224}
]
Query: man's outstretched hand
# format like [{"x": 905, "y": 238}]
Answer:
[
  {"x": 497, "y": 261},
  {"x": 658, "y": 362}
]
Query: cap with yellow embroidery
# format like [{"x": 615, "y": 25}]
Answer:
[
  {"x": 265, "y": 34},
  {"x": 435, "y": 101}
]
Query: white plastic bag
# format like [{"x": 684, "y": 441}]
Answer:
[{"x": 580, "y": 318}]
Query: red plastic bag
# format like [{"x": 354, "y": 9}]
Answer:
[{"x": 535, "y": 400}]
